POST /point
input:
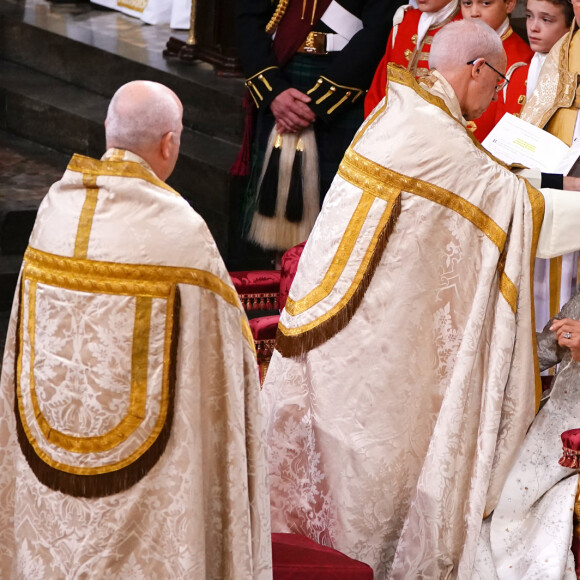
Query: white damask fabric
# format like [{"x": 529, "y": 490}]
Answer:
[
  {"x": 92, "y": 346},
  {"x": 530, "y": 532},
  {"x": 176, "y": 13},
  {"x": 391, "y": 437}
]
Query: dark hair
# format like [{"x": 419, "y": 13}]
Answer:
[{"x": 567, "y": 9}]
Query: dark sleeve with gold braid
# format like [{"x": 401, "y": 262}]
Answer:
[
  {"x": 328, "y": 97},
  {"x": 349, "y": 76},
  {"x": 264, "y": 78},
  {"x": 344, "y": 81}
]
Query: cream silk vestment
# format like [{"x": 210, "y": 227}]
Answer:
[
  {"x": 131, "y": 366},
  {"x": 404, "y": 379}
]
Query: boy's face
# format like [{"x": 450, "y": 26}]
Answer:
[
  {"x": 492, "y": 12},
  {"x": 546, "y": 24},
  {"x": 431, "y": 5},
  {"x": 576, "y": 8}
]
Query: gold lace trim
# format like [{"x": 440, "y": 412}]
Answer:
[{"x": 274, "y": 22}]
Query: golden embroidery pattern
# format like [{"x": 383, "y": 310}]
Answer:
[{"x": 110, "y": 167}]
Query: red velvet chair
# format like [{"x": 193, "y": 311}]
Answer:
[
  {"x": 289, "y": 266},
  {"x": 266, "y": 290},
  {"x": 571, "y": 458},
  {"x": 299, "y": 558},
  {"x": 258, "y": 289},
  {"x": 264, "y": 332}
]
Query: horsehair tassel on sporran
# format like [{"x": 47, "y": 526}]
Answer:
[
  {"x": 268, "y": 186},
  {"x": 297, "y": 197},
  {"x": 295, "y": 203}
]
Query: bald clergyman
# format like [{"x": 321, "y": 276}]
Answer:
[
  {"x": 404, "y": 377},
  {"x": 131, "y": 439}
]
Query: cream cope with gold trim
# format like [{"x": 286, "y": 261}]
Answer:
[
  {"x": 559, "y": 87},
  {"x": 404, "y": 379},
  {"x": 136, "y": 448}
]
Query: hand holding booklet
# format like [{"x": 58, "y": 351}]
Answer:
[{"x": 515, "y": 141}]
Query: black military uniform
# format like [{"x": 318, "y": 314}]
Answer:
[{"x": 330, "y": 58}]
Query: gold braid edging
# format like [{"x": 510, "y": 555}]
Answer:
[
  {"x": 277, "y": 16},
  {"x": 294, "y": 345},
  {"x": 107, "y": 480},
  {"x": 119, "y": 278}
]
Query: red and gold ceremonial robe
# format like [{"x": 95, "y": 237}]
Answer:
[
  {"x": 403, "y": 48},
  {"x": 514, "y": 94},
  {"x": 131, "y": 439}
]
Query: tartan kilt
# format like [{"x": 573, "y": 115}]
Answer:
[{"x": 332, "y": 139}]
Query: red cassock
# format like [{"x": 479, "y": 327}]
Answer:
[
  {"x": 515, "y": 92},
  {"x": 518, "y": 54},
  {"x": 405, "y": 52}
]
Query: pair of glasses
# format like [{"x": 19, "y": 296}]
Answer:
[{"x": 500, "y": 84}]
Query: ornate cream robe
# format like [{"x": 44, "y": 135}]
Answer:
[
  {"x": 530, "y": 532},
  {"x": 404, "y": 379},
  {"x": 136, "y": 449},
  {"x": 553, "y": 106}
]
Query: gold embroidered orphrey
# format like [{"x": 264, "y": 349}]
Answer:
[
  {"x": 114, "y": 460},
  {"x": 46, "y": 270},
  {"x": 377, "y": 181}
]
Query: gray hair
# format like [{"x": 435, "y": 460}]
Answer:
[
  {"x": 460, "y": 42},
  {"x": 139, "y": 118}
]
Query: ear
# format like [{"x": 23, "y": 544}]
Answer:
[
  {"x": 477, "y": 67},
  {"x": 165, "y": 145},
  {"x": 510, "y": 5}
]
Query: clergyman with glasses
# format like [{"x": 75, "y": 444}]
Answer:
[{"x": 404, "y": 377}]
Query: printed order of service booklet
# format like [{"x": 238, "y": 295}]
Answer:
[{"x": 517, "y": 142}]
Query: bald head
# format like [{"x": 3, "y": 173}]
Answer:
[
  {"x": 141, "y": 115},
  {"x": 470, "y": 56},
  {"x": 463, "y": 41}
]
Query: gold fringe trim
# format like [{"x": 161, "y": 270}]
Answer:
[
  {"x": 102, "y": 484},
  {"x": 288, "y": 345}
]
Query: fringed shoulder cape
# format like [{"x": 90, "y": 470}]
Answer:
[
  {"x": 130, "y": 428},
  {"x": 404, "y": 379}
]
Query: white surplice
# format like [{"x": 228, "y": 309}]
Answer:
[{"x": 137, "y": 394}]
